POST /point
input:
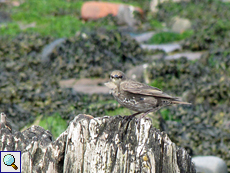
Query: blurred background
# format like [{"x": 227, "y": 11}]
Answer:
[{"x": 55, "y": 56}]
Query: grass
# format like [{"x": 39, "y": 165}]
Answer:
[
  {"x": 31, "y": 11},
  {"x": 58, "y": 18},
  {"x": 166, "y": 37},
  {"x": 10, "y": 29},
  {"x": 155, "y": 24},
  {"x": 119, "y": 111},
  {"x": 55, "y": 124}
]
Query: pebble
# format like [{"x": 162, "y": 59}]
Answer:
[{"x": 209, "y": 164}]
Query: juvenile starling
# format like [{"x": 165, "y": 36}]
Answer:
[
  {"x": 4, "y": 123},
  {"x": 137, "y": 96}
]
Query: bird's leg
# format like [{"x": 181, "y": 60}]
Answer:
[
  {"x": 131, "y": 116},
  {"x": 143, "y": 115}
]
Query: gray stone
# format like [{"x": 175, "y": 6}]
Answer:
[
  {"x": 125, "y": 15},
  {"x": 188, "y": 55},
  {"x": 144, "y": 36},
  {"x": 180, "y": 25},
  {"x": 155, "y": 3},
  {"x": 23, "y": 26},
  {"x": 87, "y": 86},
  {"x": 139, "y": 73},
  {"x": 165, "y": 47},
  {"x": 11, "y": 2},
  {"x": 209, "y": 164},
  {"x": 48, "y": 49}
]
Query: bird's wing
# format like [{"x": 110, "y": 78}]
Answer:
[{"x": 143, "y": 89}]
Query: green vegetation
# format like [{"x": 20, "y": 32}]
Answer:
[
  {"x": 209, "y": 21},
  {"x": 95, "y": 105},
  {"x": 10, "y": 29},
  {"x": 54, "y": 123},
  {"x": 59, "y": 18},
  {"x": 155, "y": 24},
  {"x": 165, "y": 37},
  {"x": 166, "y": 114},
  {"x": 119, "y": 111},
  {"x": 158, "y": 83},
  {"x": 32, "y": 89}
]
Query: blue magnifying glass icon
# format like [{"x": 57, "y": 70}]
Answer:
[{"x": 9, "y": 160}]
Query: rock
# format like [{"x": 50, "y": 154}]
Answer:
[
  {"x": 143, "y": 37},
  {"x": 188, "y": 55},
  {"x": 25, "y": 26},
  {"x": 14, "y": 3},
  {"x": 125, "y": 15},
  {"x": 138, "y": 73},
  {"x": 209, "y": 164},
  {"x": 165, "y": 47},
  {"x": 48, "y": 49},
  {"x": 180, "y": 25},
  {"x": 155, "y": 3},
  {"x": 103, "y": 144},
  {"x": 93, "y": 10},
  {"x": 4, "y": 2},
  {"x": 87, "y": 86}
]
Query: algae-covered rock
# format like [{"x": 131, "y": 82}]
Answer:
[
  {"x": 203, "y": 128},
  {"x": 30, "y": 87}
]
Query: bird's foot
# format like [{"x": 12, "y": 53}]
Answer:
[
  {"x": 130, "y": 117},
  {"x": 127, "y": 118},
  {"x": 142, "y": 116}
]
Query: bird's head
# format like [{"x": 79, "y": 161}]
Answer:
[
  {"x": 117, "y": 76},
  {"x": 3, "y": 117}
]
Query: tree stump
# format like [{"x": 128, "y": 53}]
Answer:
[{"x": 103, "y": 144}]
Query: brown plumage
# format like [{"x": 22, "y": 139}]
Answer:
[
  {"x": 137, "y": 96},
  {"x": 4, "y": 123}
]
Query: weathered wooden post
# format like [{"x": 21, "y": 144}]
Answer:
[{"x": 103, "y": 144}]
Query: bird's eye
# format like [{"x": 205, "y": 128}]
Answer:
[{"x": 116, "y": 77}]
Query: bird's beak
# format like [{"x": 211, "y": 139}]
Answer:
[
  {"x": 116, "y": 81},
  {"x": 110, "y": 85}
]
